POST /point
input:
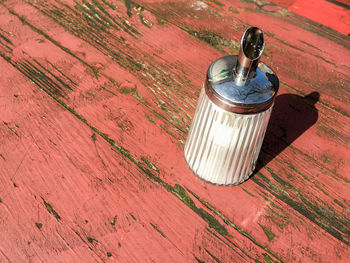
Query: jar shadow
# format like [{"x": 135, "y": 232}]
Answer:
[{"x": 291, "y": 116}]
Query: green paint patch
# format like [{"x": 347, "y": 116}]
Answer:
[
  {"x": 156, "y": 228},
  {"x": 213, "y": 39},
  {"x": 36, "y": 73},
  {"x": 90, "y": 93},
  {"x": 172, "y": 134},
  {"x": 125, "y": 125},
  {"x": 279, "y": 179},
  {"x": 276, "y": 213},
  {"x": 341, "y": 205},
  {"x": 39, "y": 225},
  {"x": 109, "y": 91},
  {"x": 93, "y": 137},
  {"x": 127, "y": 90},
  {"x": 268, "y": 233},
  {"x": 64, "y": 75},
  {"x": 182, "y": 194},
  {"x": 249, "y": 193},
  {"x": 77, "y": 233},
  {"x": 308, "y": 44},
  {"x": 140, "y": 15},
  {"x": 150, "y": 119},
  {"x": 161, "y": 21},
  {"x": 213, "y": 222},
  {"x": 198, "y": 260},
  {"x": 258, "y": 4},
  {"x": 212, "y": 256},
  {"x": 325, "y": 159},
  {"x": 114, "y": 221},
  {"x": 325, "y": 60},
  {"x": 61, "y": 83},
  {"x": 218, "y": 3},
  {"x": 110, "y": 5},
  {"x": 268, "y": 259},
  {"x": 6, "y": 39},
  {"x": 51, "y": 210},
  {"x": 149, "y": 164},
  {"x": 6, "y": 43},
  {"x": 91, "y": 240},
  {"x": 128, "y": 4},
  {"x": 338, "y": 203},
  {"x": 133, "y": 217},
  {"x": 233, "y": 10}
]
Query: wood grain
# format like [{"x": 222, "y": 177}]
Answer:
[{"x": 96, "y": 102}]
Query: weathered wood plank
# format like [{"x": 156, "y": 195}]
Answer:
[{"x": 141, "y": 90}]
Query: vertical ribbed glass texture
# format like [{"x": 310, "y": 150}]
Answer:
[{"x": 223, "y": 147}]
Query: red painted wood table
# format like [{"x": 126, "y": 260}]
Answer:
[{"x": 96, "y": 98}]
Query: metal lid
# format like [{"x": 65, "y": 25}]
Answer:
[{"x": 240, "y": 83}]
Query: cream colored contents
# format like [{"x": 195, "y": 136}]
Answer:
[{"x": 223, "y": 147}]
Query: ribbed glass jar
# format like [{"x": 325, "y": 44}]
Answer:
[{"x": 222, "y": 147}]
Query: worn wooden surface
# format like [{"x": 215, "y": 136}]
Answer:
[{"x": 96, "y": 98}]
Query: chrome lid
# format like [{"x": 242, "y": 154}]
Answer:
[{"x": 240, "y": 83}]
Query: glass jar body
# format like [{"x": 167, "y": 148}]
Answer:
[{"x": 223, "y": 147}]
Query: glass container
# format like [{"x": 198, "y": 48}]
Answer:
[{"x": 232, "y": 114}]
